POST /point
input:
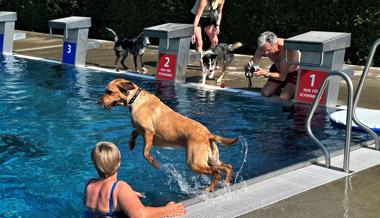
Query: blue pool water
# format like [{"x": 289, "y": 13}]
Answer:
[{"x": 50, "y": 122}]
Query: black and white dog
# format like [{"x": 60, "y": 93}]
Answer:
[
  {"x": 222, "y": 55},
  {"x": 135, "y": 46}
]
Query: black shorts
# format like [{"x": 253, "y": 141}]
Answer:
[
  {"x": 291, "y": 77},
  {"x": 205, "y": 21}
]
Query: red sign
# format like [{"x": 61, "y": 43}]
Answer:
[
  {"x": 308, "y": 84},
  {"x": 166, "y": 66}
]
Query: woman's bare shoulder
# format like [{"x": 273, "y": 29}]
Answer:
[{"x": 124, "y": 186}]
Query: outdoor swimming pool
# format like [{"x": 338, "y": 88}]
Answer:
[{"x": 50, "y": 121}]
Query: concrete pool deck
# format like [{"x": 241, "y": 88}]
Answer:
[{"x": 43, "y": 46}]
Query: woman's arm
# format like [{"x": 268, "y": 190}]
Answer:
[
  {"x": 220, "y": 9},
  {"x": 201, "y": 7},
  {"x": 130, "y": 203},
  {"x": 198, "y": 14}
]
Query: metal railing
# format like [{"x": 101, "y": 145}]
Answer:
[
  {"x": 359, "y": 90},
  {"x": 325, "y": 152}
]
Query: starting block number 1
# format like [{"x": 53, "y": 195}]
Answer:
[
  {"x": 68, "y": 53},
  {"x": 308, "y": 84}
]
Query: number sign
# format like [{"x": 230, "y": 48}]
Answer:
[
  {"x": 1, "y": 43},
  {"x": 166, "y": 66},
  {"x": 68, "y": 52},
  {"x": 308, "y": 84}
]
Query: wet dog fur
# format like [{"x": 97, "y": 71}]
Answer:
[{"x": 159, "y": 125}]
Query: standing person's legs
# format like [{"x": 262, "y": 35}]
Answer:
[
  {"x": 210, "y": 31},
  {"x": 198, "y": 39}
]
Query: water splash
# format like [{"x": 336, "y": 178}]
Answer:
[
  {"x": 178, "y": 177},
  {"x": 244, "y": 150},
  {"x": 175, "y": 177}
]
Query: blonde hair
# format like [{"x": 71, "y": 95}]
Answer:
[{"x": 106, "y": 159}]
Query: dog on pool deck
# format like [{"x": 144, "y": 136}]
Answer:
[
  {"x": 221, "y": 55},
  {"x": 135, "y": 46},
  {"x": 161, "y": 126}
]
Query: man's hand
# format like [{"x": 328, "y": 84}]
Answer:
[{"x": 261, "y": 72}]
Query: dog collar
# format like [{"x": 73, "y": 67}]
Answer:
[{"x": 134, "y": 97}]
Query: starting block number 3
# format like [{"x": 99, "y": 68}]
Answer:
[
  {"x": 68, "y": 53},
  {"x": 1, "y": 43}
]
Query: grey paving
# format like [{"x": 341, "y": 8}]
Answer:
[{"x": 269, "y": 191}]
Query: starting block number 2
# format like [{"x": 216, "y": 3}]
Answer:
[
  {"x": 68, "y": 52},
  {"x": 166, "y": 66}
]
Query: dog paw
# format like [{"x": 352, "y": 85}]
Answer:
[
  {"x": 131, "y": 145},
  {"x": 155, "y": 164},
  {"x": 208, "y": 189},
  {"x": 144, "y": 70}
]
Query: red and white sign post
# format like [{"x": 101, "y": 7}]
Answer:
[
  {"x": 166, "y": 66},
  {"x": 173, "y": 50},
  {"x": 309, "y": 82},
  {"x": 319, "y": 54}
]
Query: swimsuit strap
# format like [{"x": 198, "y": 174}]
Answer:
[{"x": 111, "y": 197}]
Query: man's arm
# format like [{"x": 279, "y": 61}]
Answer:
[
  {"x": 257, "y": 56},
  {"x": 285, "y": 68}
]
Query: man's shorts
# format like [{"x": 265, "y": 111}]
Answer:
[{"x": 290, "y": 78}]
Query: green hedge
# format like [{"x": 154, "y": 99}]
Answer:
[{"x": 242, "y": 20}]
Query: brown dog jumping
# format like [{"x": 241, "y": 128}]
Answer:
[{"x": 161, "y": 126}]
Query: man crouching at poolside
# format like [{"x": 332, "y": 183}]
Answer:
[
  {"x": 107, "y": 197},
  {"x": 281, "y": 75}
]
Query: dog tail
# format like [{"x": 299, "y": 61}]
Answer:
[
  {"x": 225, "y": 141},
  {"x": 114, "y": 34},
  {"x": 234, "y": 46}
]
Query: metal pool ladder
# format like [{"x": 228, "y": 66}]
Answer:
[{"x": 351, "y": 106}]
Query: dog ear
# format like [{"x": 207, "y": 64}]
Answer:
[
  {"x": 213, "y": 56},
  {"x": 204, "y": 59},
  {"x": 125, "y": 86}
]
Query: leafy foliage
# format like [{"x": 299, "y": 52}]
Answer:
[{"x": 242, "y": 20}]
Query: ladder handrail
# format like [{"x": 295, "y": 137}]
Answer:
[
  {"x": 325, "y": 152},
  {"x": 359, "y": 90}
]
